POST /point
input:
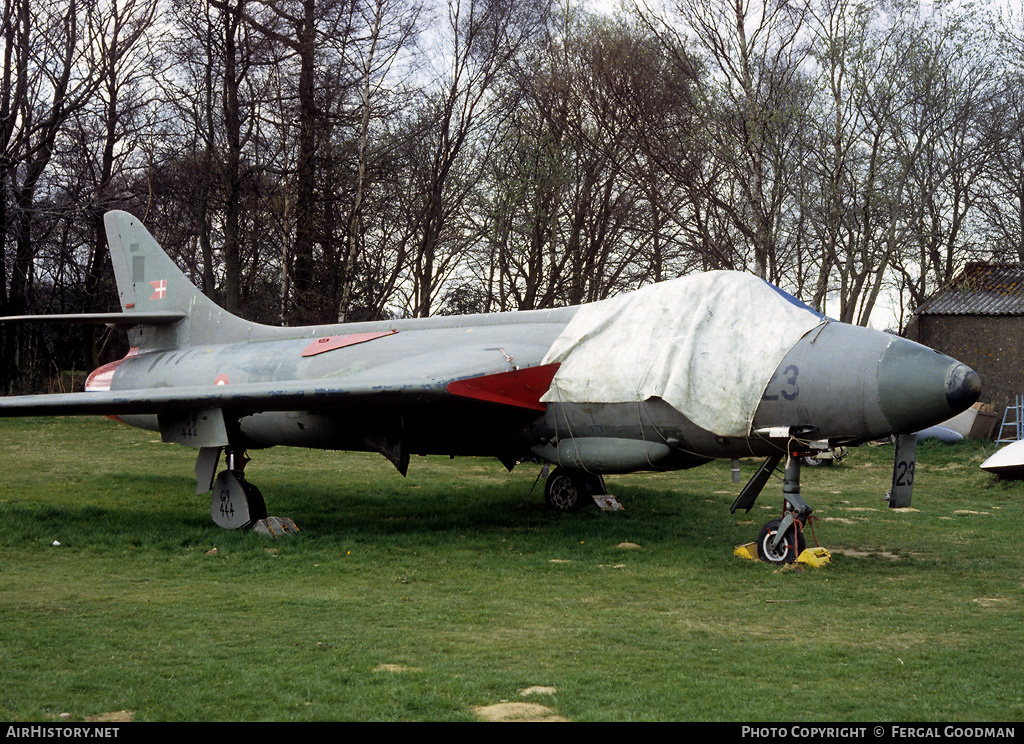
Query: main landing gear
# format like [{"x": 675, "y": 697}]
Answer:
[
  {"x": 781, "y": 540},
  {"x": 569, "y": 490},
  {"x": 235, "y": 503}
]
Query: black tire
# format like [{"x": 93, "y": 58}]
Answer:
[
  {"x": 791, "y": 547},
  {"x": 235, "y": 503},
  {"x": 566, "y": 490},
  {"x": 816, "y": 462},
  {"x": 257, "y": 505}
]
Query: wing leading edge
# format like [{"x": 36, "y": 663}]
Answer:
[
  {"x": 113, "y": 320},
  {"x": 520, "y": 388}
]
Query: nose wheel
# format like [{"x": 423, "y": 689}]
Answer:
[
  {"x": 781, "y": 540},
  {"x": 784, "y": 551}
]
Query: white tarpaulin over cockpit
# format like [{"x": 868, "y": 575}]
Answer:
[{"x": 707, "y": 344}]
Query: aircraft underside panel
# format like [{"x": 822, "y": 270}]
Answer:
[{"x": 613, "y": 438}]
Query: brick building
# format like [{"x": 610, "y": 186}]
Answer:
[{"x": 979, "y": 320}]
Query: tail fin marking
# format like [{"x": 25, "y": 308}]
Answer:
[{"x": 148, "y": 281}]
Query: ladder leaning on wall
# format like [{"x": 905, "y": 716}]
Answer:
[{"x": 1012, "y": 427}]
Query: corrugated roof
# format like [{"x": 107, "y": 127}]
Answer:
[{"x": 981, "y": 289}]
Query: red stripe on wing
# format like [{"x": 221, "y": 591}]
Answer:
[{"x": 522, "y": 388}]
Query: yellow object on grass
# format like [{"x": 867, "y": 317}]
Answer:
[
  {"x": 816, "y": 557},
  {"x": 748, "y": 551}
]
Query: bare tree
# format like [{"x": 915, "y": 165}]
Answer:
[
  {"x": 50, "y": 72},
  {"x": 481, "y": 39},
  {"x": 753, "y": 55},
  {"x": 386, "y": 29},
  {"x": 1001, "y": 202},
  {"x": 315, "y": 33},
  {"x": 124, "y": 66}
]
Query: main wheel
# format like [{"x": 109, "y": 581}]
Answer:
[
  {"x": 566, "y": 490},
  {"x": 235, "y": 503},
  {"x": 257, "y": 505},
  {"x": 816, "y": 462},
  {"x": 791, "y": 546}
]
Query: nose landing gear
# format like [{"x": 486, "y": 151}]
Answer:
[
  {"x": 781, "y": 540},
  {"x": 786, "y": 551}
]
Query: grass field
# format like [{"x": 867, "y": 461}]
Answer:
[{"x": 447, "y": 594}]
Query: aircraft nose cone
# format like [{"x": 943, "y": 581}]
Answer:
[
  {"x": 919, "y": 387},
  {"x": 963, "y": 387}
]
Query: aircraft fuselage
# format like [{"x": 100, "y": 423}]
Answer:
[{"x": 840, "y": 383}]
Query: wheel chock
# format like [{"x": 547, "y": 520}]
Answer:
[
  {"x": 607, "y": 502},
  {"x": 275, "y": 526},
  {"x": 816, "y": 557},
  {"x": 748, "y": 551}
]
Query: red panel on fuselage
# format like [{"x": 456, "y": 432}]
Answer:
[{"x": 330, "y": 343}]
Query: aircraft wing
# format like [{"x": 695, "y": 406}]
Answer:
[
  {"x": 114, "y": 320},
  {"x": 248, "y": 397},
  {"x": 492, "y": 360},
  {"x": 520, "y": 388}
]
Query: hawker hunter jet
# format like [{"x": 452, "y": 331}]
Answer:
[{"x": 714, "y": 365}]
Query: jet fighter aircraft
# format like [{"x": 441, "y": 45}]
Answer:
[{"x": 715, "y": 365}]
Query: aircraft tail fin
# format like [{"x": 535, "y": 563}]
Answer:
[{"x": 149, "y": 282}]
